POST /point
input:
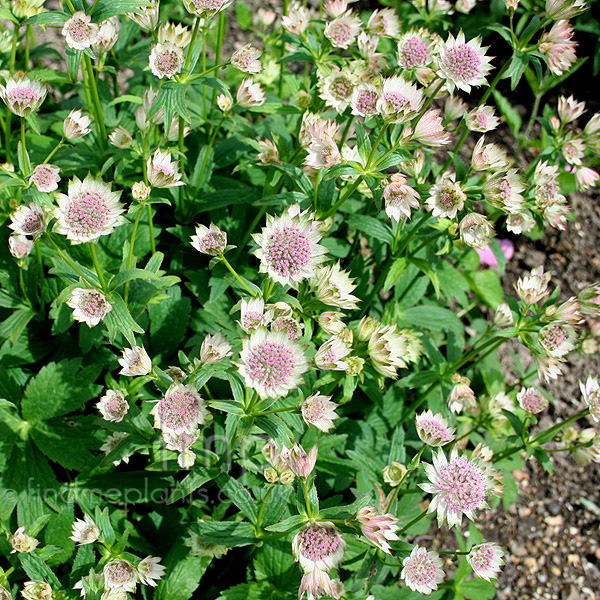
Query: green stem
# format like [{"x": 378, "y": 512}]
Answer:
[
  {"x": 69, "y": 261},
  {"x": 534, "y": 112},
  {"x": 413, "y": 522},
  {"x": 151, "y": 228},
  {"x": 42, "y": 277},
  {"x": 272, "y": 411},
  {"x": 376, "y": 145},
  {"x": 70, "y": 6},
  {"x": 27, "y": 31},
  {"x": 192, "y": 43},
  {"x": 97, "y": 267},
  {"x": 234, "y": 273},
  {"x": 26, "y": 164},
  {"x": 54, "y": 151},
  {"x": 96, "y": 100},
  {"x": 262, "y": 509},
  {"x": 343, "y": 197},
  {"x": 255, "y": 222},
  {"x": 131, "y": 245},
  {"x": 306, "y": 502}
]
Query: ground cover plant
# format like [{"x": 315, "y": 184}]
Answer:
[{"x": 251, "y": 300}]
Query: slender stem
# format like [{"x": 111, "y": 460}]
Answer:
[
  {"x": 413, "y": 522},
  {"x": 69, "y": 261},
  {"x": 255, "y": 222},
  {"x": 347, "y": 129},
  {"x": 376, "y": 144},
  {"x": 38, "y": 254},
  {"x": 234, "y": 273},
  {"x": 23, "y": 290},
  {"x": 192, "y": 43},
  {"x": 151, "y": 229},
  {"x": 181, "y": 157},
  {"x": 26, "y": 164},
  {"x": 70, "y": 6},
  {"x": 55, "y": 150},
  {"x": 97, "y": 267},
  {"x": 27, "y": 47},
  {"x": 262, "y": 509},
  {"x": 131, "y": 245},
  {"x": 272, "y": 411},
  {"x": 343, "y": 197},
  {"x": 306, "y": 493},
  {"x": 96, "y": 99},
  {"x": 533, "y": 115}
]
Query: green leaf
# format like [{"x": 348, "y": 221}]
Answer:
[
  {"x": 513, "y": 118},
  {"x": 49, "y": 16},
  {"x": 226, "y": 533},
  {"x": 12, "y": 327},
  {"x": 398, "y": 267},
  {"x": 290, "y": 524},
  {"x": 168, "y": 321},
  {"x": 183, "y": 574},
  {"x": 372, "y": 226},
  {"x": 38, "y": 570},
  {"x": 58, "y": 389},
  {"x": 239, "y": 495},
  {"x": 486, "y": 284},
  {"x": 130, "y": 274},
  {"x": 197, "y": 477},
  {"x": 109, "y": 8},
  {"x": 476, "y": 589},
  {"x": 433, "y": 317},
  {"x": 73, "y": 62},
  {"x": 119, "y": 320},
  {"x": 243, "y": 15}
]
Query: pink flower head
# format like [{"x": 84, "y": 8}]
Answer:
[
  {"x": 548, "y": 367},
  {"x": 559, "y": 47},
  {"x": 182, "y": 443},
  {"x": 19, "y": 245},
  {"x": 569, "y": 109},
  {"x": 269, "y": 152},
  {"x": 209, "y": 240},
  {"x": 462, "y": 397},
  {"x": 334, "y": 287},
  {"x": 342, "y": 31},
  {"x": 253, "y": 314},
  {"x": 162, "y": 171},
  {"x": 180, "y": 411},
  {"x": 447, "y": 198},
  {"x": 108, "y": 34},
  {"x": 364, "y": 100},
  {"x": 317, "y": 583},
  {"x": 89, "y": 306},
  {"x": 557, "y": 339},
  {"x": 23, "y": 96},
  {"x": 146, "y": 16},
  {"x": 585, "y": 178},
  {"x": 463, "y": 64},
  {"x": 289, "y": 249},
  {"x": 113, "y": 406},
  {"x": 533, "y": 287},
  {"x": 564, "y": 9},
  {"x": 400, "y": 198},
  {"x": 459, "y": 487},
  {"x": 519, "y": 223},
  {"x": 250, "y": 94},
  {"x": 378, "y": 529},
  {"x": 166, "y": 60},
  {"x": 79, "y": 31},
  {"x": 319, "y": 545},
  {"x": 315, "y": 128},
  {"x": 319, "y": 411},
  {"x": 400, "y": 100},
  {"x": 590, "y": 391},
  {"x": 288, "y": 325},
  {"x": 486, "y": 560},
  {"x": 488, "y": 157},
  {"x": 214, "y": 349},
  {"x": 433, "y": 429},
  {"x": 76, "y": 125},
  {"x": 430, "y": 131},
  {"x": 296, "y": 21},
  {"x": 482, "y": 119},
  {"x": 337, "y": 87},
  {"x": 391, "y": 349},
  {"x": 504, "y": 191},
  {"x": 247, "y": 59},
  {"x": 384, "y": 22},
  {"x": 335, "y": 8},
  {"x": 323, "y": 153},
  {"x": 85, "y": 531},
  {"x": 301, "y": 463},
  {"x": 135, "y": 361},
  {"x": 476, "y": 230},
  {"x": 272, "y": 364},
  {"x": 422, "y": 571},
  {"x": 330, "y": 356},
  {"x": 89, "y": 210},
  {"x": 29, "y": 220},
  {"x": 120, "y": 576},
  {"x": 206, "y": 9},
  {"x": 45, "y": 178},
  {"x": 532, "y": 400},
  {"x": 415, "y": 49},
  {"x": 149, "y": 570},
  {"x": 488, "y": 258}
]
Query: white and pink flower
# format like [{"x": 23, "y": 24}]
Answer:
[
  {"x": 319, "y": 410},
  {"x": 29, "y": 220},
  {"x": 45, "y": 178},
  {"x": 113, "y": 406},
  {"x": 181, "y": 410},
  {"x": 79, "y": 31},
  {"x": 89, "y": 306},
  {"x": 23, "y": 95},
  {"x": 422, "y": 570},
  {"x": 209, "y": 240}
]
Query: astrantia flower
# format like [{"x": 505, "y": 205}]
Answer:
[
  {"x": 20, "y": 245},
  {"x": 85, "y": 531},
  {"x": 120, "y": 575},
  {"x": 564, "y": 9},
  {"x": 28, "y": 220},
  {"x": 272, "y": 364},
  {"x": 447, "y": 198},
  {"x": 88, "y": 211},
  {"x": 330, "y": 356},
  {"x": 557, "y": 339},
  {"x": 459, "y": 487},
  {"x": 430, "y": 131},
  {"x": 337, "y": 87},
  {"x": 503, "y": 317},
  {"x": 149, "y": 570},
  {"x": 162, "y": 171},
  {"x": 475, "y": 230},
  {"x": 462, "y": 64},
  {"x": 166, "y": 60},
  {"x": 400, "y": 100},
  {"x": 455, "y": 108},
  {"x": 296, "y": 20},
  {"x": 269, "y": 152},
  {"x": 481, "y": 119},
  {"x": 214, "y": 349},
  {"x": 415, "y": 49},
  {"x": 548, "y": 367},
  {"x": 585, "y": 178},
  {"x": 45, "y": 178},
  {"x": 319, "y": 546},
  {"x": 5, "y": 594},
  {"x": 89, "y": 306},
  {"x": 391, "y": 349},
  {"x": 121, "y": 138},
  {"x": 378, "y": 529},
  {"x": 422, "y": 571},
  {"x": 319, "y": 411},
  {"x": 76, "y": 125},
  {"x": 488, "y": 156},
  {"x": 519, "y": 223},
  {"x": 504, "y": 191},
  {"x": 250, "y": 94},
  {"x": 384, "y": 22},
  {"x": 21, "y": 542},
  {"x": 182, "y": 443},
  {"x": 79, "y": 31},
  {"x": 334, "y": 287},
  {"x": 247, "y": 59},
  {"x": 569, "y": 109},
  {"x": 486, "y": 560},
  {"x": 394, "y": 473},
  {"x": 23, "y": 96},
  {"x": 135, "y": 361},
  {"x": 33, "y": 590},
  {"x": 113, "y": 406},
  {"x": 146, "y": 16},
  {"x": 323, "y": 153},
  {"x": 533, "y": 287},
  {"x": 298, "y": 461},
  {"x": 288, "y": 325},
  {"x": 342, "y": 31},
  {"x": 289, "y": 249},
  {"x": 433, "y": 429},
  {"x": 559, "y": 47},
  {"x": 364, "y": 100},
  {"x": 532, "y": 400},
  {"x": 206, "y": 8},
  {"x": 314, "y": 127},
  {"x": 108, "y": 34},
  {"x": 209, "y": 240},
  {"x": 176, "y": 33},
  {"x": 462, "y": 397},
  {"x": 23, "y": 9},
  {"x": 591, "y": 395},
  {"x": 317, "y": 583},
  {"x": 181, "y": 410},
  {"x": 253, "y": 314}
]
